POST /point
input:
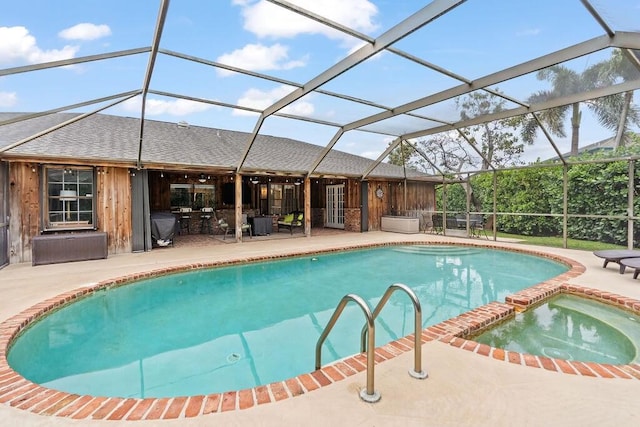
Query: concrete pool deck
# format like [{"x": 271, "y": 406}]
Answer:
[{"x": 463, "y": 388}]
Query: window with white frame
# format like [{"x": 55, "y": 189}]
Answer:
[{"x": 68, "y": 198}]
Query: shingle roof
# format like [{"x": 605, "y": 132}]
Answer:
[{"x": 114, "y": 138}]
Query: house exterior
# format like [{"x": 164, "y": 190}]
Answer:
[{"x": 66, "y": 175}]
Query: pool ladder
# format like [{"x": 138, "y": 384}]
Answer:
[{"x": 367, "y": 337}]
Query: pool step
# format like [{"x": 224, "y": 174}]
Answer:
[
  {"x": 626, "y": 323},
  {"x": 437, "y": 250}
]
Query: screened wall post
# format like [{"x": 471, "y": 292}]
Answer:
[
  {"x": 630, "y": 213},
  {"x": 468, "y": 185},
  {"x": 565, "y": 208},
  {"x": 238, "y": 207},
  {"x": 444, "y": 207},
  {"x": 495, "y": 206}
]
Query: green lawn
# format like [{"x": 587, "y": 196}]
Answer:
[{"x": 556, "y": 242}]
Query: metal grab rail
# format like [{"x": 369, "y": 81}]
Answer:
[
  {"x": 417, "y": 371},
  {"x": 368, "y": 394}
]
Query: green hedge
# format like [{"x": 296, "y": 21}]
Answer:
[{"x": 594, "y": 189}]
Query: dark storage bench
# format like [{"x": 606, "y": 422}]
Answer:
[{"x": 55, "y": 248}]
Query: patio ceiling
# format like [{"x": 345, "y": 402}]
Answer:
[{"x": 357, "y": 101}]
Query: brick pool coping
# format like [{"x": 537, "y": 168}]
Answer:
[{"x": 21, "y": 393}]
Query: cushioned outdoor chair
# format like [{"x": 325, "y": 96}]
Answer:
[
  {"x": 245, "y": 226},
  {"x": 290, "y": 221},
  {"x": 224, "y": 226}
]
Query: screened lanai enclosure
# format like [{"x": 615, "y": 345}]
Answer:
[{"x": 522, "y": 116}]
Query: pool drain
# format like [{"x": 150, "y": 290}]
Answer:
[{"x": 233, "y": 358}]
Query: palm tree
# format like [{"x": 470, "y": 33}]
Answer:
[
  {"x": 564, "y": 82},
  {"x": 609, "y": 110},
  {"x": 618, "y": 112}
]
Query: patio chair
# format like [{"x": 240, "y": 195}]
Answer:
[
  {"x": 476, "y": 224},
  {"x": 185, "y": 220},
  {"x": 245, "y": 226},
  {"x": 224, "y": 227},
  {"x": 437, "y": 223},
  {"x": 206, "y": 216},
  {"x": 615, "y": 255},
  {"x": 294, "y": 219}
]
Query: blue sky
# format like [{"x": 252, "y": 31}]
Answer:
[{"x": 475, "y": 39}]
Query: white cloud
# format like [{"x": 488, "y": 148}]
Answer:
[
  {"x": 265, "y": 19},
  {"x": 259, "y": 99},
  {"x": 176, "y": 107},
  {"x": 257, "y": 57},
  {"x": 20, "y": 46},
  {"x": 85, "y": 31},
  {"x": 8, "y": 99}
]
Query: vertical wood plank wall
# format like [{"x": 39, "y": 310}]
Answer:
[
  {"x": 420, "y": 197},
  {"x": 24, "y": 210},
  {"x": 113, "y": 209}
]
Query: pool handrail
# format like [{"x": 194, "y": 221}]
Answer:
[
  {"x": 369, "y": 394},
  {"x": 417, "y": 371}
]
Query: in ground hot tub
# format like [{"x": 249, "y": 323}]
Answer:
[{"x": 400, "y": 224}]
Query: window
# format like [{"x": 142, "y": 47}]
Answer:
[
  {"x": 194, "y": 196},
  {"x": 284, "y": 198},
  {"x": 203, "y": 196},
  {"x": 180, "y": 196},
  {"x": 69, "y": 198}
]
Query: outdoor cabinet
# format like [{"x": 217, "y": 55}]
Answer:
[{"x": 56, "y": 248}]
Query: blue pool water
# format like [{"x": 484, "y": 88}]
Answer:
[{"x": 230, "y": 328}]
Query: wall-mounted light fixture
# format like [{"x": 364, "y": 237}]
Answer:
[
  {"x": 161, "y": 174},
  {"x": 202, "y": 178},
  {"x": 298, "y": 181},
  {"x": 254, "y": 180}
]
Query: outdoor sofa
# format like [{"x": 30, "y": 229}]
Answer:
[{"x": 291, "y": 221}]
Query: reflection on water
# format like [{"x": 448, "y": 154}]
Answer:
[
  {"x": 236, "y": 327},
  {"x": 572, "y": 328}
]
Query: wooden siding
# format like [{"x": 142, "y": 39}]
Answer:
[
  {"x": 24, "y": 209},
  {"x": 419, "y": 198},
  {"x": 113, "y": 208}
]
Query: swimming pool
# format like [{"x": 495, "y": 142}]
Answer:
[
  {"x": 570, "y": 327},
  {"x": 235, "y": 327}
]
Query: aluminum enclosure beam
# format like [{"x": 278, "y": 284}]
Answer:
[
  {"x": 73, "y": 61},
  {"x": 155, "y": 45},
  {"x": 399, "y": 31}
]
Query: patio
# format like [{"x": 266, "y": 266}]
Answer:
[{"x": 462, "y": 389}]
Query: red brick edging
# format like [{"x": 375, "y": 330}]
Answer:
[{"x": 18, "y": 392}]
